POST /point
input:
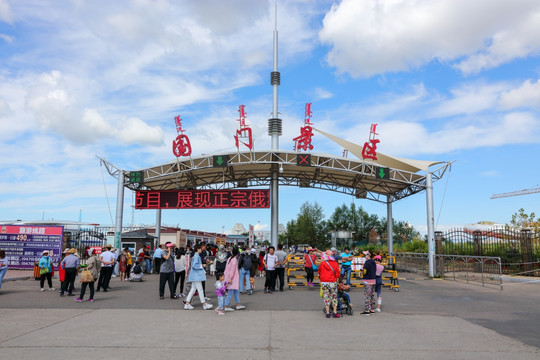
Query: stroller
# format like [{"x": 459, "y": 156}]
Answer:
[{"x": 344, "y": 304}]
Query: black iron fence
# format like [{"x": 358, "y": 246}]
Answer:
[{"x": 519, "y": 250}]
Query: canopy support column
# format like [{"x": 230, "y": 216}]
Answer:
[
  {"x": 430, "y": 224},
  {"x": 119, "y": 210},
  {"x": 274, "y": 205},
  {"x": 158, "y": 228},
  {"x": 390, "y": 225}
]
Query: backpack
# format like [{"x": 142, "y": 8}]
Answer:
[
  {"x": 245, "y": 262},
  {"x": 137, "y": 269}
]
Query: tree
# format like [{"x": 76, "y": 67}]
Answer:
[
  {"x": 309, "y": 227},
  {"x": 521, "y": 220}
]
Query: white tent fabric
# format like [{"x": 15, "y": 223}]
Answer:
[{"x": 383, "y": 160}]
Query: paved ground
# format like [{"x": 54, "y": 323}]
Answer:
[{"x": 426, "y": 319}]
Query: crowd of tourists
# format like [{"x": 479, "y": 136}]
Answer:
[{"x": 185, "y": 272}]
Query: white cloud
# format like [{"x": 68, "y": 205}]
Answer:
[
  {"x": 136, "y": 131},
  {"x": 375, "y": 37},
  {"x": 5, "y": 110},
  {"x": 528, "y": 94},
  {"x": 6, "y": 38},
  {"x": 322, "y": 94},
  {"x": 6, "y": 14}
]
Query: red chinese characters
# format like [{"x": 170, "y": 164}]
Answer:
[
  {"x": 306, "y": 132},
  {"x": 369, "y": 151},
  {"x": 244, "y": 134},
  {"x": 202, "y": 199},
  {"x": 181, "y": 145}
]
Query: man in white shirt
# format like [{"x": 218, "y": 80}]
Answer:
[
  {"x": 107, "y": 261},
  {"x": 269, "y": 262},
  {"x": 280, "y": 266}
]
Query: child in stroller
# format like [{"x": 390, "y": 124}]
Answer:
[{"x": 344, "y": 300}]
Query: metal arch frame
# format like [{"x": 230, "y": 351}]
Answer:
[{"x": 327, "y": 172}]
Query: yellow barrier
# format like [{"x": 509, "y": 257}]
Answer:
[{"x": 296, "y": 274}]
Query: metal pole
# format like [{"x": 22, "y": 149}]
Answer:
[
  {"x": 430, "y": 224},
  {"x": 119, "y": 210},
  {"x": 275, "y": 133},
  {"x": 158, "y": 228},
  {"x": 390, "y": 225}
]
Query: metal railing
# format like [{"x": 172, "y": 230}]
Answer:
[
  {"x": 412, "y": 263},
  {"x": 486, "y": 270}
]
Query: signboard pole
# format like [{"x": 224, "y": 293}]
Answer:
[
  {"x": 430, "y": 224},
  {"x": 390, "y": 225},
  {"x": 119, "y": 210},
  {"x": 158, "y": 228}
]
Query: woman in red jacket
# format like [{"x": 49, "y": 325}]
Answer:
[{"x": 328, "y": 275}]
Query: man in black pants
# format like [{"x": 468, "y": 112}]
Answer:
[
  {"x": 280, "y": 266},
  {"x": 107, "y": 260},
  {"x": 166, "y": 273},
  {"x": 70, "y": 264}
]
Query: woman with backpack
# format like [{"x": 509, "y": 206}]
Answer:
[
  {"x": 253, "y": 271},
  {"x": 244, "y": 265}
]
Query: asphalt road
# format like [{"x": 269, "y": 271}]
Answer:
[{"x": 425, "y": 319}]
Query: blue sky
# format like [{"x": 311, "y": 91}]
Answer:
[{"x": 444, "y": 79}]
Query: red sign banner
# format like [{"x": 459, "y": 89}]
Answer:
[{"x": 203, "y": 199}]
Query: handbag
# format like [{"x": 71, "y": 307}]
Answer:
[
  {"x": 43, "y": 271},
  {"x": 313, "y": 266},
  {"x": 86, "y": 276}
]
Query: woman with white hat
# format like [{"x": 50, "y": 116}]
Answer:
[{"x": 45, "y": 270}]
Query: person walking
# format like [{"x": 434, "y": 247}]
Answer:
[
  {"x": 253, "y": 271},
  {"x": 232, "y": 277},
  {"x": 4, "y": 266},
  {"x": 310, "y": 266},
  {"x": 261, "y": 264},
  {"x": 158, "y": 258},
  {"x": 180, "y": 271},
  {"x": 244, "y": 264},
  {"x": 221, "y": 290},
  {"x": 329, "y": 274},
  {"x": 270, "y": 260},
  {"x": 280, "y": 266},
  {"x": 370, "y": 270},
  {"x": 129, "y": 264},
  {"x": 122, "y": 264},
  {"x": 45, "y": 270},
  {"x": 196, "y": 276},
  {"x": 378, "y": 280},
  {"x": 93, "y": 265},
  {"x": 166, "y": 271},
  {"x": 107, "y": 262},
  {"x": 70, "y": 264}
]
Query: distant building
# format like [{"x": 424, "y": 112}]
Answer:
[{"x": 238, "y": 229}]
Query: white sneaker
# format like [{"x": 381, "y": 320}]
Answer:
[
  {"x": 188, "y": 307},
  {"x": 240, "y": 307},
  {"x": 52, "y": 289},
  {"x": 207, "y": 306},
  {"x": 182, "y": 295},
  {"x": 42, "y": 289},
  {"x": 377, "y": 310},
  {"x": 228, "y": 308},
  {"x": 113, "y": 275}
]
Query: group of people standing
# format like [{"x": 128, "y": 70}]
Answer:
[
  {"x": 100, "y": 270},
  {"x": 330, "y": 275}
]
